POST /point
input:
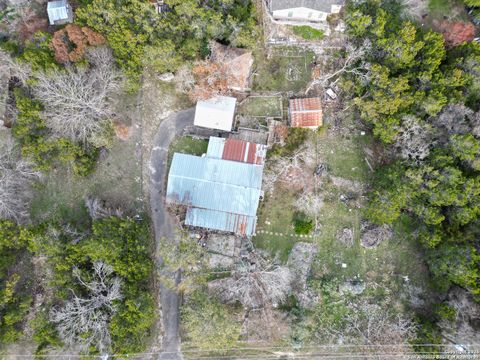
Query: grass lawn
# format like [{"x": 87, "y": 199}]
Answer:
[
  {"x": 262, "y": 106},
  {"x": 308, "y": 33},
  {"x": 275, "y": 216},
  {"x": 117, "y": 179},
  {"x": 288, "y": 69},
  {"x": 382, "y": 269},
  {"x": 343, "y": 156},
  {"x": 187, "y": 145}
]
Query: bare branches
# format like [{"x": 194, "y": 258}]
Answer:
[
  {"x": 413, "y": 140},
  {"x": 77, "y": 101},
  {"x": 16, "y": 177},
  {"x": 350, "y": 63},
  {"x": 376, "y": 325},
  {"x": 98, "y": 209},
  {"x": 85, "y": 321},
  {"x": 254, "y": 285}
]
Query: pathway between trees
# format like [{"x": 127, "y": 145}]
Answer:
[{"x": 164, "y": 227}]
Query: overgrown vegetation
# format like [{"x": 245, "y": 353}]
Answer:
[
  {"x": 140, "y": 37},
  {"x": 308, "y": 33},
  {"x": 15, "y": 280},
  {"x": 122, "y": 245},
  {"x": 415, "y": 99}
]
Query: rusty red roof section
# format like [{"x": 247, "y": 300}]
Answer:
[
  {"x": 244, "y": 151},
  {"x": 306, "y": 113}
]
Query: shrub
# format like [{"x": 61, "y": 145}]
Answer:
[
  {"x": 308, "y": 33},
  {"x": 302, "y": 224}
]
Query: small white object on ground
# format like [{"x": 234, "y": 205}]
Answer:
[{"x": 344, "y": 266}]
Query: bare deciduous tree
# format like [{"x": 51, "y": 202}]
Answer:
[
  {"x": 98, "y": 209},
  {"x": 14, "y": 68},
  {"x": 375, "y": 325},
  {"x": 414, "y": 139},
  {"x": 16, "y": 177},
  {"x": 350, "y": 63},
  {"x": 84, "y": 321},
  {"x": 255, "y": 284},
  {"x": 77, "y": 101}
]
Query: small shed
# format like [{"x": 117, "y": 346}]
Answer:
[
  {"x": 216, "y": 113},
  {"x": 306, "y": 113},
  {"x": 59, "y": 12}
]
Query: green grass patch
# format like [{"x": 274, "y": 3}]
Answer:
[
  {"x": 276, "y": 216},
  {"x": 287, "y": 69},
  {"x": 344, "y": 156},
  {"x": 262, "y": 106},
  {"x": 187, "y": 145},
  {"x": 441, "y": 6},
  {"x": 116, "y": 179},
  {"x": 308, "y": 33}
]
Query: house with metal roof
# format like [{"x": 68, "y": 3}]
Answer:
[
  {"x": 306, "y": 113},
  {"x": 221, "y": 189},
  {"x": 59, "y": 12},
  {"x": 304, "y": 10},
  {"x": 216, "y": 113}
]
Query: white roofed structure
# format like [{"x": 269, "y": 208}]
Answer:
[
  {"x": 59, "y": 12},
  {"x": 217, "y": 113}
]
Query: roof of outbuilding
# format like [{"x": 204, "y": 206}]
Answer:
[
  {"x": 57, "y": 4},
  {"x": 236, "y": 150},
  {"x": 216, "y": 113},
  {"x": 306, "y": 112},
  {"x": 320, "y": 5}
]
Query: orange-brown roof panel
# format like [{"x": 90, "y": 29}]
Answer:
[{"x": 307, "y": 104}]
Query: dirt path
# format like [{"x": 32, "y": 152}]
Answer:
[{"x": 164, "y": 227}]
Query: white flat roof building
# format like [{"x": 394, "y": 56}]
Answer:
[
  {"x": 216, "y": 113},
  {"x": 59, "y": 12}
]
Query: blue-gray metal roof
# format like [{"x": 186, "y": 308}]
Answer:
[
  {"x": 215, "y": 184},
  {"x": 219, "y": 220},
  {"x": 215, "y": 147}
]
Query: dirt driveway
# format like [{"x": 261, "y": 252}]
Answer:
[{"x": 164, "y": 227}]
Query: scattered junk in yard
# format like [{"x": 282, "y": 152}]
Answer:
[
  {"x": 354, "y": 287},
  {"x": 373, "y": 235},
  {"x": 345, "y": 236},
  {"x": 166, "y": 77},
  {"x": 122, "y": 131},
  {"x": 321, "y": 169},
  {"x": 222, "y": 189},
  {"x": 216, "y": 113},
  {"x": 331, "y": 94},
  {"x": 306, "y": 113},
  {"x": 59, "y": 12}
]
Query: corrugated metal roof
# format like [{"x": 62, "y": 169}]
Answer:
[
  {"x": 236, "y": 150},
  {"x": 216, "y": 113},
  {"x": 215, "y": 184},
  {"x": 57, "y": 10},
  {"x": 215, "y": 147},
  {"x": 218, "y": 220},
  {"x": 239, "y": 150},
  {"x": 306, "y": 112}
]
